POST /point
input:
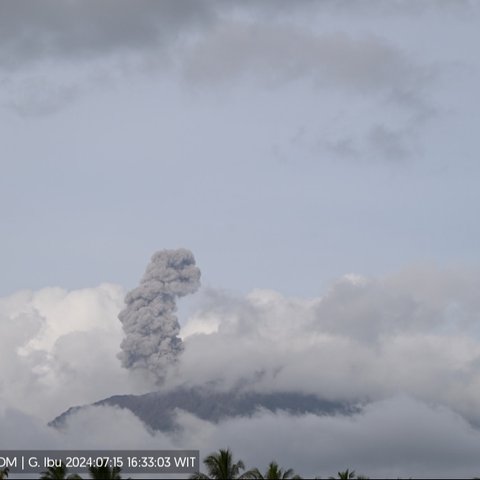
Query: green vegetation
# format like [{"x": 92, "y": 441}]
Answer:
[
  {"x": 58, "y": 473},
  {"x": 105, "y": 473},
  {"x": 221, "y": 465},
  {"x": 348, "y": 474},
  {"x": 274, "y": 472},
  {"x": 96, "y": 473},
  {"x": 218, "y": 465}
]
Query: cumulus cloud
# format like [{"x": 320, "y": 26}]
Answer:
[
  {"x": 59, "y": 349},
  {"x": 415, "y": 332},
  {"x": 404, "y": 347},
  {"x": 395, "y": 437}
]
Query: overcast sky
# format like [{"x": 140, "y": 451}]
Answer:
[
  {"x": 320, "y": 159},
  {"x": 284, "y": 144}
]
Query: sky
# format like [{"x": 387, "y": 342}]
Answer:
[
  {"x": 319, "y": 160},
  {"x": 285, "y": 144}
]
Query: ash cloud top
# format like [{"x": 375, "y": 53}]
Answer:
[{"x": 151, "y": 327}]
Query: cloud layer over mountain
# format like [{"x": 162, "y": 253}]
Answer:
[{"x": 406, "y": 347}]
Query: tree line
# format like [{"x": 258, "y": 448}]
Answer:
[{"x": 218, "y": 465}]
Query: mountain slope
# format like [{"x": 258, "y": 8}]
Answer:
[{"x": 157, "y": 409}]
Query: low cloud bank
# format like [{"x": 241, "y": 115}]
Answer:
[
  {"x": 59, "y": 349},
  {"x": 406, "y": 347},
  {"x": 397, "y": 437},
  {"x": 415, "y": 332}
]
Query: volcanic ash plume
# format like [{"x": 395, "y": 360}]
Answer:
[{"x": 148, "y": 320}]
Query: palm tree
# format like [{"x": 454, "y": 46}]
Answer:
[
  {"x": 221, "y": 466},
  {"x": 4, "y": 473},
  {"x": 58, "y": 473},
  {"x": 348, "y": 474},
  {"x": 105, "y": 473},
  {"x": 274, "y": 472}
]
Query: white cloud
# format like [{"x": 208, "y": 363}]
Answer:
[
  {"x": 414, "y": 332},
  {"x": 405, "y": 346},
  {"x": 396, "y": 437},
  {"x": 59, "y": 349},
  {"x": 399, "y": 436}
]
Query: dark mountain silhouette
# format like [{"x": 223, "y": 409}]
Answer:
[{"x": 157, "y": 409}]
